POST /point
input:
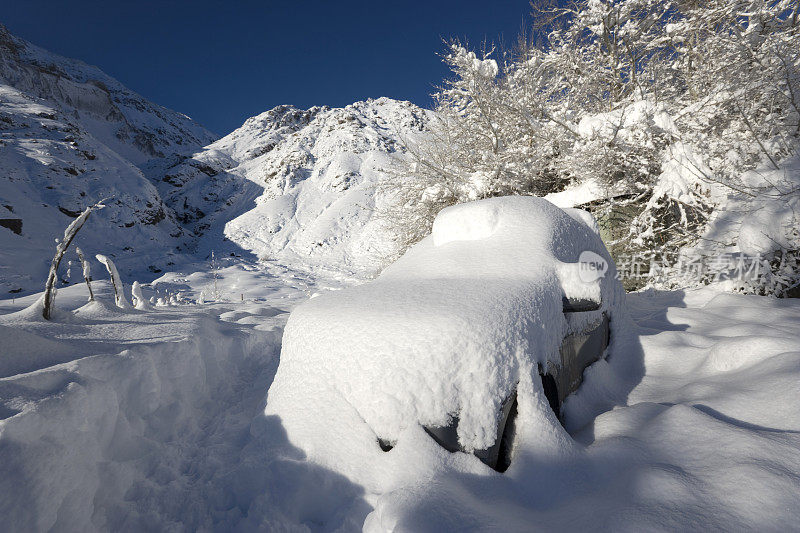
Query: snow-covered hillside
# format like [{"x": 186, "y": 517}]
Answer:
[
  {"x": 69, "y": 136},
  {"x": 133, "y": 127},
  {"x": 298, "y": 186},
  {"x": 52, "y": 169},
  {"x": 292, "y": 185}
]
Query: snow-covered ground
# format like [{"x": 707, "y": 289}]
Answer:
[
  {"x": 155, "y": 420},
  {"x": 133, "y": 420}
]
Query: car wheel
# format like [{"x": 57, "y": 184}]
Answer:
[
  {"x": 507, "y": 438},
  {"x": 551, "y": 393},
  {"x": 506, "y": 451}
]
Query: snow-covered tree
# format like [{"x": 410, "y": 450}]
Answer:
[
  {"x": 665, "y": 105},
  {"x": 61, "y": 248}
]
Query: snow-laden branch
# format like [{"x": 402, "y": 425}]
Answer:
[
  {"x": 61, "y": 249},
  {"x": 87, "y": 272},
  {"x": 116, "y": 281}
]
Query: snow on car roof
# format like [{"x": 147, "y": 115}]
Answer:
[{"x": 450, "y": 328}]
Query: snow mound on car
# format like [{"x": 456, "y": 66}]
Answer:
[
  {"x": 477, "y": 222},
  {"x": 450, "y": 329}
]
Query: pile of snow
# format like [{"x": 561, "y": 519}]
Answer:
[
  {"x": 127, "y": 420},
  {"x": 298, "y": 186},
  {"x": 582, "y": 193},
  {"x": 451, "y": 329},
  {"x": 466, "y": 224}
]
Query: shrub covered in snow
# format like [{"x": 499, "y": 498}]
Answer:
[
  {"x": 139, "y": 301},
  {"x": 48, "y": 299},
  {"x": 683, "y": 114}
]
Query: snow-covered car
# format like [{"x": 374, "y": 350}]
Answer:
[{"x": 472, "y": 336}]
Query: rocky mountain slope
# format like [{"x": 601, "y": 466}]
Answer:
[
  {"x": 133, "y": 127},
  {"x": 71, "y": 135},
  {"x": 298, "y": 186}
]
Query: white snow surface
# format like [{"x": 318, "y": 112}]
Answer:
[
  {"x": 125, "y": 420},
  {"x": 128, "y": 420},
  {"x": 450, "y": 329},
  {"x": 580, "y": 194}
]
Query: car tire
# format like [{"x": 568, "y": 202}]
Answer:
[
  {"x": 507, "y": 439},
  {"x": 551, "y": 393}
]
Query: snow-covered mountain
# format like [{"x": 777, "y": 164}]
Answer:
[
  {"x": 292, "y": 185},
  {"x": 52, "y": 169},
  {"x": 298, "y": 186},
  {"x": 71, "y": 135},
  {"x": 133, "y": 127}
]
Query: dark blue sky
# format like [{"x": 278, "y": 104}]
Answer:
[{"x": 221, "y": 62}]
